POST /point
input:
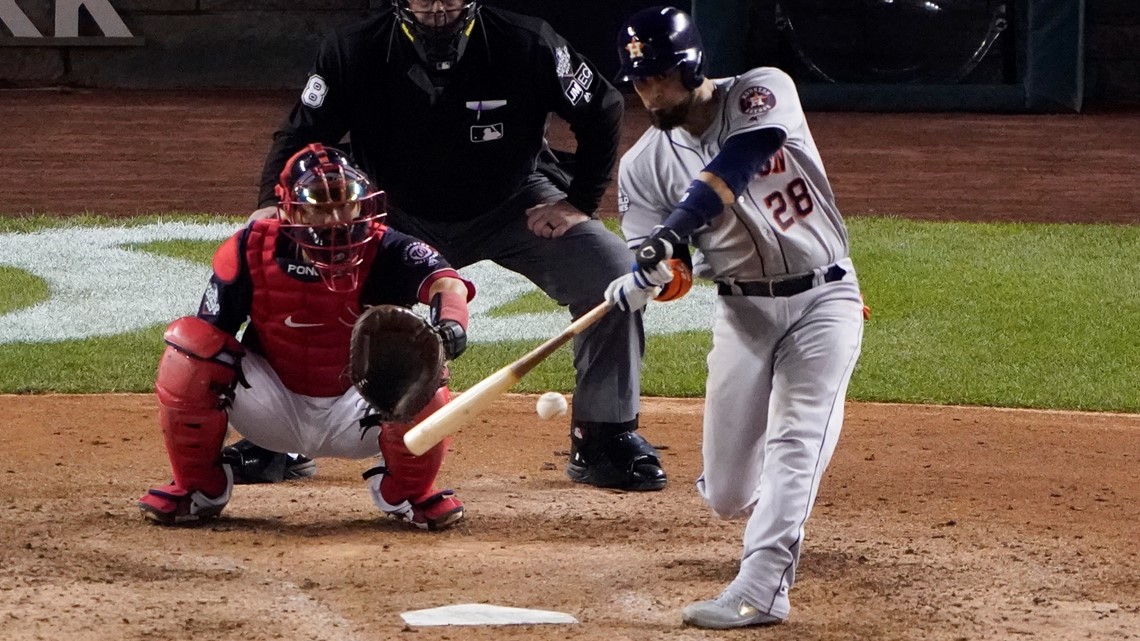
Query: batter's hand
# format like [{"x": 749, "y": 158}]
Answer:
[
  {"x": 632, "y": 291},
  {"x": 657, "y": 248},
  {"x": 551, "y": 220}
]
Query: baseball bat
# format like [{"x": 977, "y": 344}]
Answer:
[{"x": 448, "y": 419}]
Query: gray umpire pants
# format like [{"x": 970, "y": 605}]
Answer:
[{"x": 574, "y": 270}]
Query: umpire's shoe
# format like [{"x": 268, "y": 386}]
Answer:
[
  {"x": 613, "y": 455},
  {"x": 253, "y": 464}
]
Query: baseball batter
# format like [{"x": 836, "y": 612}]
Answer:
[
  {"x": 731, "y": 168},
  {"x": 301, "y": 279}
]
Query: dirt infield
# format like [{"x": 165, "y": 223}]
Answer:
[{"x": 933, "y": 523}]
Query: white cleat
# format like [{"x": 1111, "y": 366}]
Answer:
[{"x": 726, "y": 612}]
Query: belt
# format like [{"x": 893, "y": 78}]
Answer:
[{"x": 779, "y": 287}]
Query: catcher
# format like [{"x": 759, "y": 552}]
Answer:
[{"x": 332, "y": 363}]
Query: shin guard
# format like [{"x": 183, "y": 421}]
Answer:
[
  {"x": 197, "y": 376},
  {"x": 410, "y": 477}
]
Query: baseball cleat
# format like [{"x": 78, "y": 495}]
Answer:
[
  {"x": 255, "y": 464},
  {"x": 726, "y": 612},
  {"x": 173, "y": 505},
  {"x": 624, "y": 462},
  {"x": 436, "y": 510}
]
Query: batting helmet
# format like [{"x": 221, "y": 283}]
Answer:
[
  {"x": 330, "y": 210},
  {"x": 657, "y": 40},
  {"x": 438, "y": 30}
]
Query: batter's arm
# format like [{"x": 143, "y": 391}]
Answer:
[{"x": 717, "y": 185}]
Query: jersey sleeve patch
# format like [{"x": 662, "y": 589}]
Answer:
[
  {"x": 227, "y": 263},
  {"x": 757, "y": 100},
  {"x": 419, "y": 253}
]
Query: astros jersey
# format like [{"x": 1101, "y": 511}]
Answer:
[{"x": 785, "y": 221}]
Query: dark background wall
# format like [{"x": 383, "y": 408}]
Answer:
[{"x": 270, "y": 43}]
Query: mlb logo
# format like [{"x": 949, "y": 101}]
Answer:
[{"x": 485, "y": 133}]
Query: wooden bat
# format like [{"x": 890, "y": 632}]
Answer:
[{"x": 448, "y": 419}]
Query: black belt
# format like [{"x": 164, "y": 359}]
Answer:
[{"x": 779, "y": 287}]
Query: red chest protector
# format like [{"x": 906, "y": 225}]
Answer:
[{"x": 304, "y": 328}]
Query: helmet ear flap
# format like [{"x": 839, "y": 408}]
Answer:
[{"x": 692, "y": 75}]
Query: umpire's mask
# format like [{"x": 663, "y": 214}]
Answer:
[{"x": 437, "y": 29}]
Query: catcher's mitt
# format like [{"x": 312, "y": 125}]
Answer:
[{"x": 396, "y": 361}]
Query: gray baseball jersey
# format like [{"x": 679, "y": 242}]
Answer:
[{"x": 785, "y": 222}]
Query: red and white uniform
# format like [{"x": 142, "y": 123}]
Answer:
[{"x": 299, "y": 397}]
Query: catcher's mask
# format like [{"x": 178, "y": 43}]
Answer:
[
  {"x": 329, "y": 209},
  {"x": 437, "y": 29}
]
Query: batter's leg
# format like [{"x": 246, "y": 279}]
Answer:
[
  {"x": 813, "y": 366},
  {"x": 736, "y": 403}
]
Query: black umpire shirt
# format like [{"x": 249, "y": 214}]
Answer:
[{"x": 466, "y": 150}]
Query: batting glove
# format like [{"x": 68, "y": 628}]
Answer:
[
  {"x": 657, "y": 248},
  {"x": 632, "y": 291}
]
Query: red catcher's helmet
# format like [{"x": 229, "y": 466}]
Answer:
[{"x": 329, "y": 208}]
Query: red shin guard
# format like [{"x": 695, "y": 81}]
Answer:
[
  {"x": 411, "y": 477},
  {"x": 196, "y": 379}
]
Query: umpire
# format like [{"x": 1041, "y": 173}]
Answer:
[{"x": 445, "y": 104}]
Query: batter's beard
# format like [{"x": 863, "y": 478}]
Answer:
[{"x": 673, "y": 117}]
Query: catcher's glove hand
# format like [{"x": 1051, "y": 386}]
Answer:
[{"x": 396, "y": 361}]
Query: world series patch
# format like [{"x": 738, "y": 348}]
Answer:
[{"x": 757, "y": 100}]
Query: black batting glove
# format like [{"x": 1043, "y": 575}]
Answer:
[
  {"x": 659, "y": 246},
  {"x": 452, "y": 336}
]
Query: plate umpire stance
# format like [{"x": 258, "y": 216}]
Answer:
[{"x": 446, "y": 104}]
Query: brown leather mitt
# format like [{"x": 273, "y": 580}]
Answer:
[{"x": 396, "y": 361}]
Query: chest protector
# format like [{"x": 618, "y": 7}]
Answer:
[{"x": 304, "y": 328}]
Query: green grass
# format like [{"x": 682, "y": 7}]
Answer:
[
  {"x": 1011, "y": 315},
  {"x": 982, "y": 314},
  {"x": 529, "y": 303},
  {"x": 198, "y": 251},
  {"x": 20, "y": 289}
]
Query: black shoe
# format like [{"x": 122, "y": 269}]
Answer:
[
  {"x": 253, "y": 464},
  {"x": 624, "y": 461}
]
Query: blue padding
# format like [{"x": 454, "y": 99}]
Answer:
[
  {"x": 698, "y": 206},
  {"x": 744, "y": 154}
]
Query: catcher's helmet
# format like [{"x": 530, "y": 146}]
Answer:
[
  {"x": 330, "y": 210},
  {"x": 437, "y": 29},
  {"x": 657, "y": 40}
]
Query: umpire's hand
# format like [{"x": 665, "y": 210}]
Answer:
[{"x": 551, "y": 220}]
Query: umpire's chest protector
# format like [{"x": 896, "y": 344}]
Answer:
[{"x": 304, "y": 328}]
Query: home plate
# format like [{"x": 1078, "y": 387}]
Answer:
[{"x": 483, "y": 614}]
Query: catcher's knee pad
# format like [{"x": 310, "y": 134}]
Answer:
[
  {"x": 195, "y": 385},
  {"x": 410, "y": 476}
]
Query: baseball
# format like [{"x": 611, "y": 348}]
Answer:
[{"x": 551, "y": 405}]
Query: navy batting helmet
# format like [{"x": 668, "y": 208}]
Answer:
[{"x": 657, "y": 40}]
